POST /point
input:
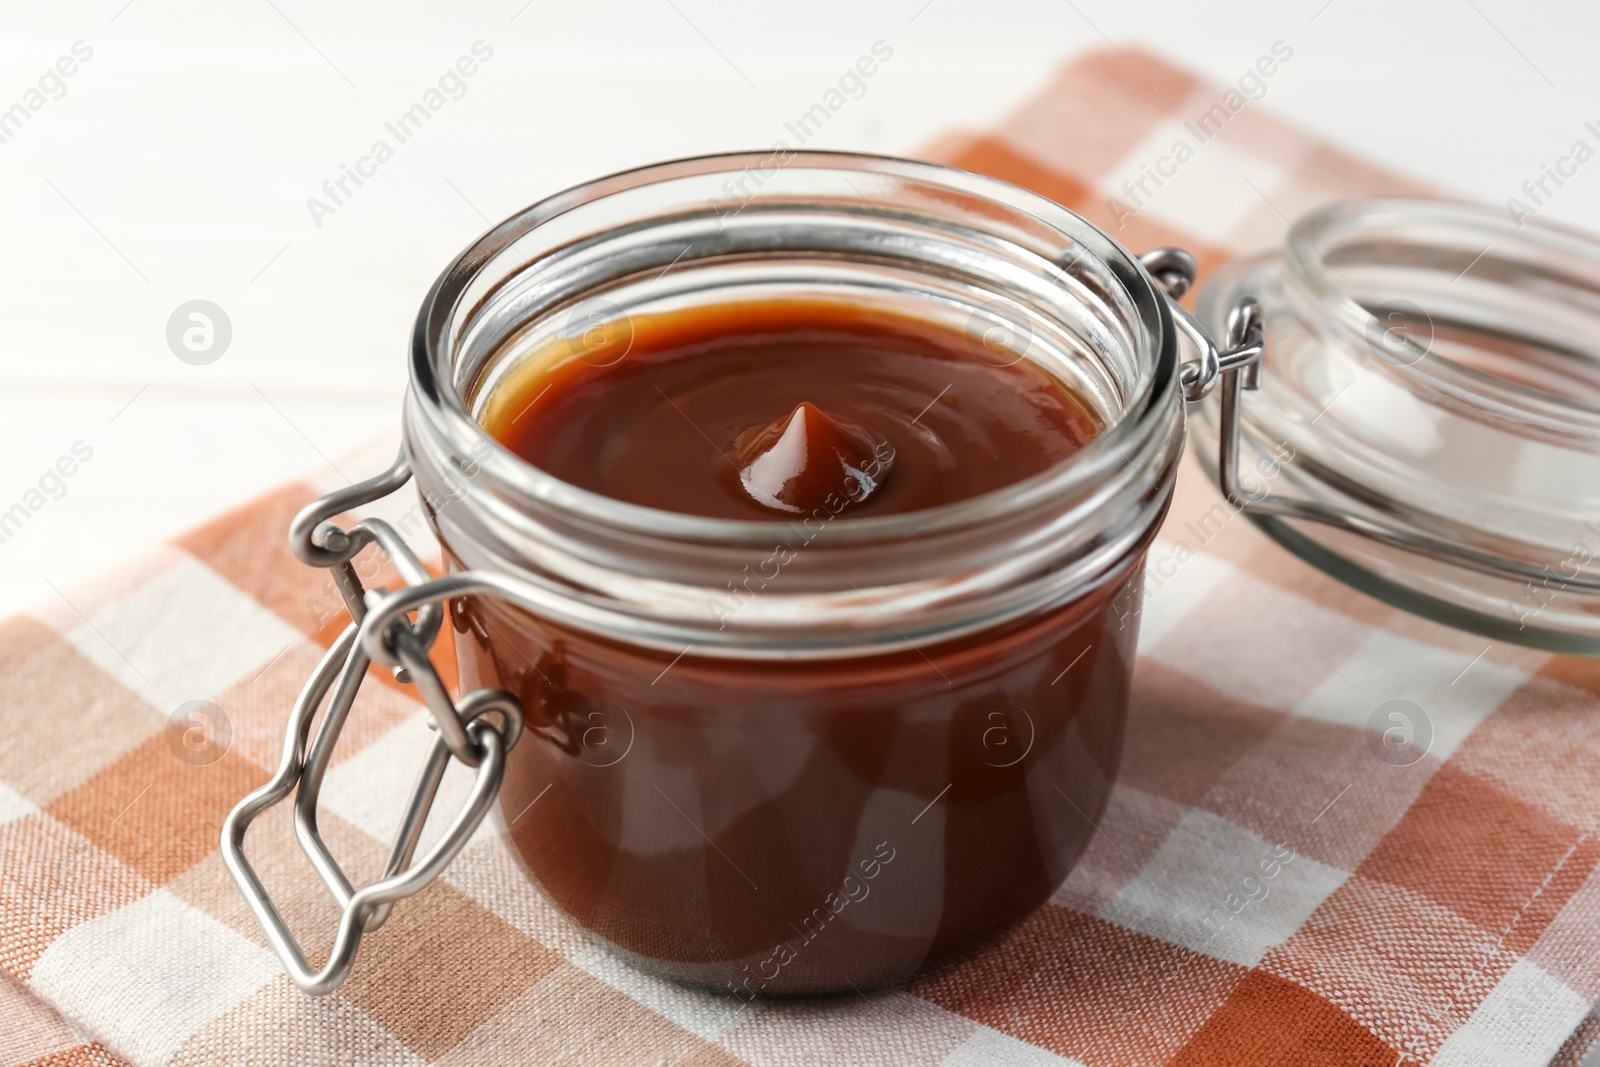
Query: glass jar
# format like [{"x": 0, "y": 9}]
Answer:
[
  {"x": 1433, "y": 368},
  {"x": 842, "y": 753},
  {"x": 801, "y": 757}
]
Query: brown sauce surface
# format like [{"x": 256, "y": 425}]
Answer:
[{"x": 687, "y": 412}]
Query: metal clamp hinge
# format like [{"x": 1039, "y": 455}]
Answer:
[{"x": 380, "y": 629}]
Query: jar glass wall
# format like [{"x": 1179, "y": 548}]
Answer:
[{"x": 800, "y": 756}]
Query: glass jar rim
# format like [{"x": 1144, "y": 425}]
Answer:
[
  {"x": 443, "y": 405},
  {"x": 1313, "y": 268}
]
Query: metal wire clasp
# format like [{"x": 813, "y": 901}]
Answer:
[
  {"x": 1174, "y": 270},
  {"x": 467, "y": 731}
]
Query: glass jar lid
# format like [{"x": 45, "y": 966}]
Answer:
[{"x": 1431, "y": 376}]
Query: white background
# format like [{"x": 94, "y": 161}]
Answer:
[{"x": 178, "y": 164}]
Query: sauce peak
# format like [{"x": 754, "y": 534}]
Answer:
[{"x": 796, "y": 463}]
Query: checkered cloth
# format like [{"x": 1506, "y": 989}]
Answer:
[{"x": 1264, "y": 888}]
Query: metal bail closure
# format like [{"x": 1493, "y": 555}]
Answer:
[
  {"x": 1174, "y": 271},
  {"x": 466, "y": 731}
]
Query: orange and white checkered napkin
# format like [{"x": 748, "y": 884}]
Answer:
[{"x": 1264, "y": 889}]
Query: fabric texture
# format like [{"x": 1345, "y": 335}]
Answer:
[{"x": 1265, "y": 887}]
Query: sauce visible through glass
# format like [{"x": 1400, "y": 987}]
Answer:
[
  {"x": 763, "y": 826},
  {"x": 770, "y": 409}
]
